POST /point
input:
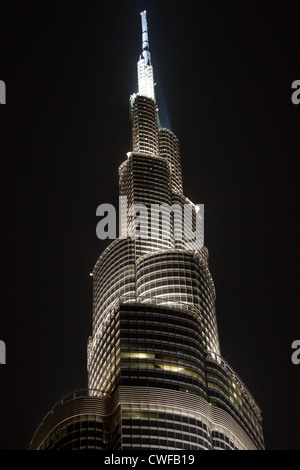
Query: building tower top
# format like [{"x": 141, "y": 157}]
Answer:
[
  {"x": 145, "y": 40},
  {"x": 144, "y": 67}
]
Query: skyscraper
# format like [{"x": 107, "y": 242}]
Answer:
[{"x": 156, "y": 377}]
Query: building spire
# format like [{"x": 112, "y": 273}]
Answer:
[
  {"x": 145, "y": 40},
  {"x": 144, "y": 67}
]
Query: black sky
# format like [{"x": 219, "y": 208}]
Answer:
[{"x": 224, "y": 71}]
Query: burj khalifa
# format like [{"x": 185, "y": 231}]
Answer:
[{"x": 156, "y": 376}]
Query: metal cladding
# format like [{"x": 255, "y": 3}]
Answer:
[
  {"x": 169, "y": 149},
  {"x": 144, "y": 126},
  {"x": 156, "y": 377},
  {"x": 78, "y": 421}
]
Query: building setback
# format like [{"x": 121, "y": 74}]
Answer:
[{"x": 156, "y": 377}]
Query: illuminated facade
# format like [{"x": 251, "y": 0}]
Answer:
[
  {"x": 155, "y": 338},
  {"x": 156, "y": 378}
]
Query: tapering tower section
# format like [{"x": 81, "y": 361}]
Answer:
[
  {"x": 143, "y": 104},
  {"x": 156, "y": 379},
  {"x": 144, "y": 67},
  {"x": 155, "y": 347}
]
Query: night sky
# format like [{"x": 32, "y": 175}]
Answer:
[{"x": 223, "y": 71}]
